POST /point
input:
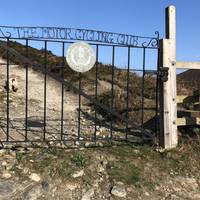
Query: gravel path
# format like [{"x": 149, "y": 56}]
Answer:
[{"x": 36, "y": 105}]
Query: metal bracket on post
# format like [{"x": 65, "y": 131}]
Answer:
[{"x": 163, "y": 74}]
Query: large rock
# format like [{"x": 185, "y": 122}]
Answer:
[
  {"x": 35, "y": 177},
  {"x": 78, "y": 174},
  {"x": 100, "y": 168},
  {"x": 119, "y": 191},
  {"x": 6, "y": 175}
]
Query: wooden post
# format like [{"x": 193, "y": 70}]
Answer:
[{"x": 169, "y": 137}]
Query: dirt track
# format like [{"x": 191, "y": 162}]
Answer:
[{"x": 35, "y": 105}]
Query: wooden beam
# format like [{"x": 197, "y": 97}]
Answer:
[
  {"x": 168, "y": 135},
  {"x": 188, "y": 121},
  {"x": 187, "y": 99},
  {"x": 188, "y": 113},
  {"x": 170, "y": 22},
  {"x": 180, "y": 98},
  {"x": 187, "y": 65}
]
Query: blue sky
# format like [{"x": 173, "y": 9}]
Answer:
[{"x": 137, "y": 17}]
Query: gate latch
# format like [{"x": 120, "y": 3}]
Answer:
[{"x": 163, "y": 73}]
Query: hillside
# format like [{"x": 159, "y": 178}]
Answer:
[
  {"x": 54, "y": 64},
  {"x": 190, "y": 75},
  {"x": 188, "y": 81}
]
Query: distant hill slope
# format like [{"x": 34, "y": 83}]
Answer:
[
  {"x": 188, "y": 81},
  {"x": 190, "y": 75}
]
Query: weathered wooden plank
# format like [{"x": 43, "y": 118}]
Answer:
[
  {"x": 186, "y": 121},
  {"x": 188, "y": 113},
  {"x": 169, "y": 137},
  {"x": 187, "y": 65},
  {"x": 170, "y": 22},
  {"x": 180, "y": 98},
  {"x": 187, "y": 99}
]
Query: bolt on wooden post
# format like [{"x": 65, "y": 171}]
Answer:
[{"x": 168, "y": 106}]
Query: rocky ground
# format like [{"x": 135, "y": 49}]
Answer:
[{"x": 117, "y": 172}]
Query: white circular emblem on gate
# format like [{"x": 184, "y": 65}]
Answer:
[{"x": 80, "y": 57}]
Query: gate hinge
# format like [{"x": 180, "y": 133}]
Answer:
[{"x": 163, "y": 73}]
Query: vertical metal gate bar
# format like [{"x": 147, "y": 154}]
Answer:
[
  {"x": 112, "y": 91},
  {"x": 127, "y": 94},
  {"x": 79, "y": 108},
  {"x": 26, "y": 90},
  {"x": 96, "y": 90},
  {"x": 45, "y": 87},
  {"x": 157, "y": 98},
  {"x": 157, "y": 89},
  {"x": 62, "y": 97},
  {"x": 143, "y": 77},
  {"x": 8, "y": 88}
]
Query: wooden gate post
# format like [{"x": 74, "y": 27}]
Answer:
[{"x": 168, "y": 106}]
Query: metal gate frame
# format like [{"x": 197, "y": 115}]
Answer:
[{"x": 96, "y": 38}]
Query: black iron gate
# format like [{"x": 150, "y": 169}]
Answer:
[{"x": 116, "y": 100}]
